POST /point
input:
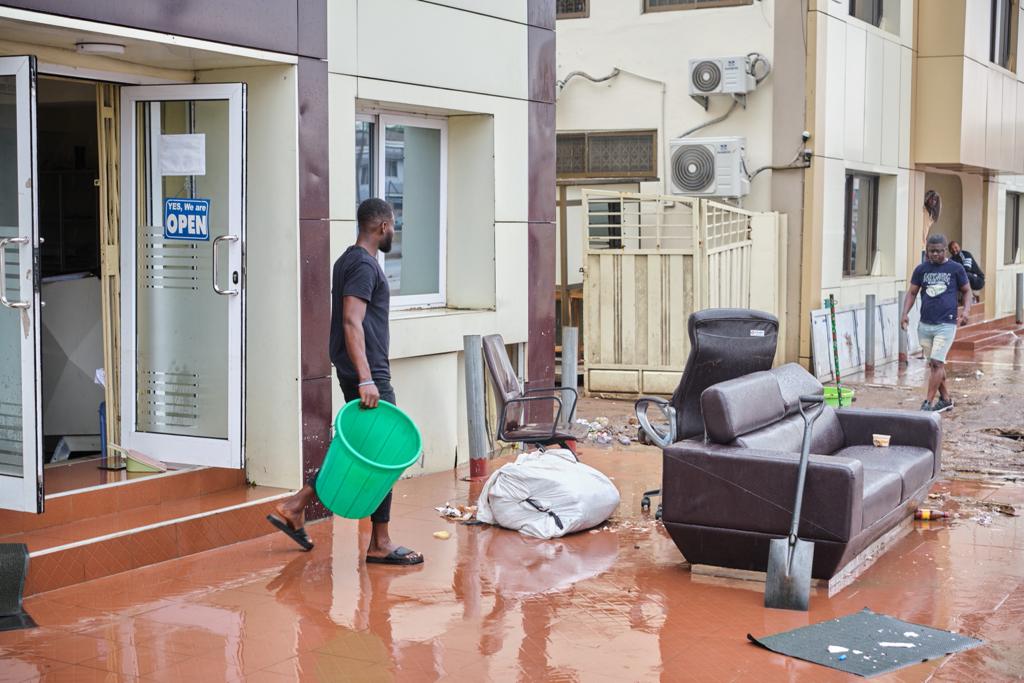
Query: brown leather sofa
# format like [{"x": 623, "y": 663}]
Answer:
[{"x": 728, "y": 494}]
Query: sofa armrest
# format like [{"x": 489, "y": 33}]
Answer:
[
  {"x": 753, "y": 490},
  {"x": 907, "y": 428}
]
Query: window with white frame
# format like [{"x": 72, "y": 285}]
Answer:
[
  {"x": 860, "y": 228},
  {"x": 884, "y": 14},
  {"x": 403, "y": 159},
  {"x": 1014, "y": 229},
  {"x": 1003, "y": 36}
]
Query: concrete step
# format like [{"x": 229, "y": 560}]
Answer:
[
  {"x": 987, "y": 338},
  {"x": 89, "y": 533}
]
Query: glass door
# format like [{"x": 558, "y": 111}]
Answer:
[
  {"x": 183, "y": 291},
  {"x": 21, "y": 457}
]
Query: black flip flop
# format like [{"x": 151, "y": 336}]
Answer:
[
  {"x": 298, "y": 535},
  {"x": 399, "y": 555}
]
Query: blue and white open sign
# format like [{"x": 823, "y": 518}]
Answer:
[{"x": 187, "y": 219}]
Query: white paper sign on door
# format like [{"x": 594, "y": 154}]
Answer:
[{"x": 183, "y": 154}]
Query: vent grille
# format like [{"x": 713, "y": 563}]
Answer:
[
  {"x": 707, "y": 76},
  {"x": 693, "y": 168}
]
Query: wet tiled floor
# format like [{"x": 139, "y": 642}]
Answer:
[{"x": 489, "y": 604}]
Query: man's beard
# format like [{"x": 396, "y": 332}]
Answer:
[{"x": 385, "y": 245}]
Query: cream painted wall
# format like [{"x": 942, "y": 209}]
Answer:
[
  {"x": 863, "y": 91},
  {"x": 464, "y": 60},
  {"x": 969, "y": 111},
  {"x": 273, "y": 424},
  {"x": 658, "y": 46}
]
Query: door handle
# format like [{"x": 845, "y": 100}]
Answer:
[
  {"x": 216, "y": 273},
  {"x": 3, "y": 272}
]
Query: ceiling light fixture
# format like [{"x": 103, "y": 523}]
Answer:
[{"x": 99, "y": 48}]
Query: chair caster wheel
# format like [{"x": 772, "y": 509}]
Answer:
[
  {"x": 657, "y": 515},
  {"x": 645, "y": 504}
]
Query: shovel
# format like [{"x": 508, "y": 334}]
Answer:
[{"x": 788, "y": 583}]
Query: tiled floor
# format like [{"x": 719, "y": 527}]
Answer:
[
  {"x": 81, "y": 473},
  {"x": 488, "y": 604}
]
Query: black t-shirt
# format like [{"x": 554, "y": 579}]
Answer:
[{"x": 356, "y": 273}]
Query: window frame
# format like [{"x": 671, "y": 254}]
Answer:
[
  {"x": 876, "y": 182},
  {"x": 585, "y": 14},
  {"x": 381, "y": 120},
  {"x": 1012, "y": 236},
  {"x": 685, "y": 5},
  {"x": 876, "y": 19},
  {"x": 645, "y": 174},
  {"x": 1007, "y": 51}
]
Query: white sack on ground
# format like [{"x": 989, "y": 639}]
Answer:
[{"x": 547, "y": 494}]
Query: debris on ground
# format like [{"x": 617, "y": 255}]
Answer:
[
  {"x": 459, "y": 513},
  {"x": 1015, "y": 434},
  {"x": 442, "y": 535}
]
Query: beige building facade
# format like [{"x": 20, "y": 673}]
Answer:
[{"x": 898, "y": 97}]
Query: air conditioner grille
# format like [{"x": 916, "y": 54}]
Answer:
[
  {"x": 693, "y": 168},
  {"x": 707, "y": 76}
]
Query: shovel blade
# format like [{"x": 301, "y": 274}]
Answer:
[{"x": 788, "y": 581}]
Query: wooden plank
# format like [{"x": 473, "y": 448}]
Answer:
[
  {"x": 831, "y": 587},
  {"x": 654, "y": 303},
  {"x": 592, "y": 320},
  {"x": 627, "y": 297},
  {"x": 640, "y": 306},
  {"x": 606, "y": 278},
  {"x": 676, "y": 322}
]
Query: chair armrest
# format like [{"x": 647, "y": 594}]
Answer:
[
  {"x": 655, "y": 435},
  {"x": 907, "y": 428},
  {"x": 557, "y": 390},
  {"x": 753, "y": 490},
  {"x": 502, "y": 423}
]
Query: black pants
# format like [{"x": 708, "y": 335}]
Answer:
[
  {"x": 977, "y": 281},
  {"x": 382, "y": 515}
]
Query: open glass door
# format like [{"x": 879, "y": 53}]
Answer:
[
  {"x": 21, "y": 456},
  {"x": 182, "y": 274}
]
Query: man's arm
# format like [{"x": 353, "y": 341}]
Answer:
[
  {"x": 966, "y": 312},
  {"x": 354, "y": 310},
  {"x": 976, "y": 267},
  {"x": 908, "y": 303}
]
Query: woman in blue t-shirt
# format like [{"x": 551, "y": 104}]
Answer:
[{"x": 939, "y": 279}]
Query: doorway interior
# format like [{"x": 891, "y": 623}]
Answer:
[{"x": 71, "y": 340}]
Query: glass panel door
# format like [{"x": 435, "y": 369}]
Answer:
[
  {"x": 21, "y": 459},
  {"x": 182, "y": 237}
]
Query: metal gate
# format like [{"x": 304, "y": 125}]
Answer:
[{"x": 649, "y": 262}]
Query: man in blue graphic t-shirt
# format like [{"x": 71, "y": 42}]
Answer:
[{"x": 939, "y": 280}]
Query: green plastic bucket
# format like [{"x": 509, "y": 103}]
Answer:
[
  {"x": 369, "y": 452},
  {"x": 832, "y": 397}
]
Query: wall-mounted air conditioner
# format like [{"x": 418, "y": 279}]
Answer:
[
  {"x": 721, "y": 76},
  {"x": 708, "y": 167}
]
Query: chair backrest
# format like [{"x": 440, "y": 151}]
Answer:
[
  {"x": 725, "y": 343},
  {"x": 503, "y": 375}
]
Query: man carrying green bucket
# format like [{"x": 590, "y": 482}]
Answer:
[{"x": 360, "y": 309}]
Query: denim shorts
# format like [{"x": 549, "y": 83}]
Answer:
[{"x": 936, "y": 340}]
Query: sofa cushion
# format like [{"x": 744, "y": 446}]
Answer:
[
  {"x": 881, "y": 495},
  {"x": 912, "y": 464},
  {"x": 788, "y": 434},
  {"x": 794, "y": 382},
  {"x": 741, "y": 405}
]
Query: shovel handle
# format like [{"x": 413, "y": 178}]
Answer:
[{"x": 809, "y": 415}]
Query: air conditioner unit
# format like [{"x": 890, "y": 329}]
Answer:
[
  {"x": 721, "y": 76},
  {"x": 708, "y": 167}
]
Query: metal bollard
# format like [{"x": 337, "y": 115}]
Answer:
[
  {"x": 903, "y": 340},
  {"x": 869, "y": 333},
  {"x": 479, "y": 448},
  {"x": 1020, "y": 299},
  {"x": 570, "y": 369}
]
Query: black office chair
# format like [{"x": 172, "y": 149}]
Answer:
[{"x": 725, "y": 343}]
